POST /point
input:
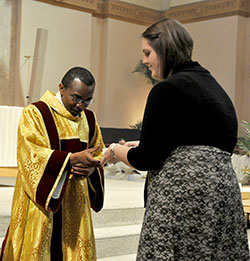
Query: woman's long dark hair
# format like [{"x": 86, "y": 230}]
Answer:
[{"x": 172, "y": 43}]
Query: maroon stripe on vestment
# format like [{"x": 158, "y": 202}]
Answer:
[
  {"x": 55, "y": 203},
  {"x": 49, "y": 123},
  {"x": 56, "y": 253},
  {"x": 102, "y": 174},
  {"x": 91, "y": 121},
  {"x": 73, "y": 145},
  {"x": 97, "y": 197},
  {"x": 83, "y": 146},
  {"x": 50, "y": 175}
]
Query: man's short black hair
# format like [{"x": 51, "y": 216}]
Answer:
[{"x": 80, "y": 73}]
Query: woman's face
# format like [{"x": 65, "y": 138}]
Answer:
[{"x": 152, "y": 60}]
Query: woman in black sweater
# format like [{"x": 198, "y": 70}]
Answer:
[{"x": 189, "y": 130}]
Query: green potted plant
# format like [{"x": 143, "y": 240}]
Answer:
[
  {"x": 143, "y": 68},
  {"x": 137, "y": 125}
]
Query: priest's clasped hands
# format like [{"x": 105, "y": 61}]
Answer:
[{"x": 83, "y": 163}]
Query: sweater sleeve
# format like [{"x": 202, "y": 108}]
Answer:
[{"x": 158, "y": 128}]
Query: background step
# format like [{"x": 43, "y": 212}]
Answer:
[
  {"x": 117, "y": 217},
  {"x": 4, "y": 223},
  {"x": 123, "y": 194},
  {"x": 130, "y": 257},
  {"x": 6, "y": 194},
  {"x": 114, "y": 241},
  {"x": 5, "y": 208}
]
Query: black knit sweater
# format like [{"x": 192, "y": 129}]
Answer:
[{"x": 188, "y": 108}]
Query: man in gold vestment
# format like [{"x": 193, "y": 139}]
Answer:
[{"x": 59, "y": 176}]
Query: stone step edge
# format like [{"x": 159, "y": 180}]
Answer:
[
  {"x": 115, "y": 209},
  {"x": 117, "y": 231},
  {"x": 103, "y": 210},
  {"x": 130, "y": 257},
  {"x": 118, "y": 217}
]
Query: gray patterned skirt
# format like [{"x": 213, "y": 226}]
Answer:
[{"x": 194, "y": 209}]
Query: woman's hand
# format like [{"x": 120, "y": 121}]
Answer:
[
  {"x": 109, "y": 156},
  {"x": 132, "y": 144}
]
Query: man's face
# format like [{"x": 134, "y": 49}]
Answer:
[{"x": 77, "y": 96}]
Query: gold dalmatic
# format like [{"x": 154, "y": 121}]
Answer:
[{"x": 40, "y": 221}]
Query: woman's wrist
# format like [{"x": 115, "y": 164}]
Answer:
[{"x": 112, "y": 147}]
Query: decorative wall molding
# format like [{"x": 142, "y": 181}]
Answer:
[
  {"x": 85, "y": 4},
  {"x": 209, "y": 10},
  {"x": 126, "y": 12},
  {"x": 88, "y": 6},
  {"x": 188, "y": 13}
]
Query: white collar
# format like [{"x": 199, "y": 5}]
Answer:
[{"x": 59, "y": 98}]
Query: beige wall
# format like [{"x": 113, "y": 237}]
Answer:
[
  {"x": 216, "y": 49},
  {"x": 111, "y": 48},
  {"x": 5, "y": 43},
  {"x": 96, "y": 66},
  {"x": 7, "y": 51},
  {"x": 68, "y": 45},
  {"x": 243, "y": 69},
  {"x": 246, "y": 109},
  {"x": 121, "y": 94}
]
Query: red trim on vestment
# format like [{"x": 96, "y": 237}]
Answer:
[
  {"x": 73, "y": 145},
  {"x": 91, "y": 122},
  {"x": 56, "y": 252},
  {"x": 97, "y": 197},
  {"x": 49, "y": 123},
  {"x": 49, "y": 177}
]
